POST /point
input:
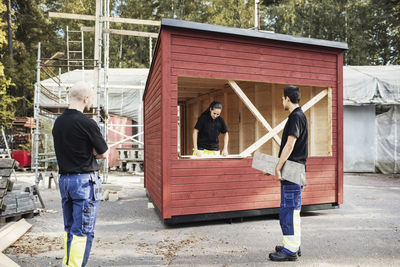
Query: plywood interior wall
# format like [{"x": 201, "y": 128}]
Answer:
[{"x": 195, "y": 95}]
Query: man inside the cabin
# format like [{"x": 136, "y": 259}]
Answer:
[
  {"x": 294, "y": 147},
  {"x": 78, "y": 142},
  {"x": 206, "y": 131}
]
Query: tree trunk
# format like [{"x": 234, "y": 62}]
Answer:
[{"x": 10, "y": 46}]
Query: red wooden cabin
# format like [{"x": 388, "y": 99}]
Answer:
[{"x": 246, "y": 71}]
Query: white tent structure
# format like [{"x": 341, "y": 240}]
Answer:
[
  {"x": 371, "y": 117},
  {"x": 120, "y": 94},
  {"x": 125, "y": 88}
]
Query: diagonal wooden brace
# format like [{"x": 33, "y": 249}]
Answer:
[
  {"x": 280, "y": 126},
  {"x": 252, "y": 108}
]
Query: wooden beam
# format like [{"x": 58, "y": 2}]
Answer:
[
  {"x": 109, "y": 19},
  {"x": 131, "y": 33},
  {"x": 252, "y": 108},
  {"x": 330, "y": 121},
  {"x": 275, "y": 146},
  {"x": 7, "y": 262},
  {"x": 10, "y": 234},
  {"x": 60, "y": 15},
  {"x": 281, "y": 125},
  {"x": 311, "y": 125},
  {"x": 132, "y": 21},
  {"x": 122, "y": 32}
]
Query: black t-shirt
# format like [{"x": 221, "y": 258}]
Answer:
[
  {"x": 297, "y": 126},
  {"x": 75, "y": 136},
  {"x": 209, "y": 130}
]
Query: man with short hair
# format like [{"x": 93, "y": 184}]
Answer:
[
  {"x": 294, "y": 147},
  {"x": 78, "y": 142}
]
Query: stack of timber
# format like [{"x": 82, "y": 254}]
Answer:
[{"x": 15, "y": 203}]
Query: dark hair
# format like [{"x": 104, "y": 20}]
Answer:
[
  {"x": 293, "y": 92},
  {"x": 213, "y": 105}
]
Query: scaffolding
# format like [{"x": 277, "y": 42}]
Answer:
[{"x": 51, "y": 95}]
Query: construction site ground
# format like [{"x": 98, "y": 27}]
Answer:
[{"x": 364, "y": 231}]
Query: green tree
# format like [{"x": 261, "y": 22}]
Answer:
[
  {"x": 370, "y": 27},
  {"x": 7, "y": 108}
]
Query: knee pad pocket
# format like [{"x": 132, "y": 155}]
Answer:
[{"x": 88, "y": 216}]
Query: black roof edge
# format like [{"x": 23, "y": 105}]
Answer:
[{"x": 252, "y": 33}]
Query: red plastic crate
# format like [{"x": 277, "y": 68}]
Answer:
[{"x": 23, "y": 157}]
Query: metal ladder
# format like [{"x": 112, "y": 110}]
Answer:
[{"x": 72, "y": 54}]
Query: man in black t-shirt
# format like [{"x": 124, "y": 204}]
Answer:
[
  {"x": 78, "y": 142},
  {"x": 294, "y": 146}
]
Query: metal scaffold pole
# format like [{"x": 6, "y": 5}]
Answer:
[
  {"x": 106, "y": 66},
  {"x": 36, "y": 115}
]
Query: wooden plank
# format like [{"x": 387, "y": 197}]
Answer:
[
  {"x": 4, "y": 183},
  {"x": 257, "y": 77},
  {"x": 216, "y": 171},
  {"x": 280, "y": 126},
  {"x": 7, "y": 262},
  {"x": 224, "y": 200},
  {"x": 61, "y": 15},
  {"x": 225, "y": 193},
  {"x": 190, "y": 58},
  {"x": 267, "y": 182},
  {"x": 109, "y": 19},
  {"x": 225, "y": 207},
  {"x": 258, "y": 47},
  {"x": 7, "y": 163},
  {"x": 122, "y": 32},
  {"x": 291, "y": 171},
  {"x": 165, "y": 121},
  {"x": 329, "y": 121},
  {"x": 132, "y": 21},
  {"x": 11, "y": 234},
  {"x": 340, "y": 127},
  {"x": 251, "y": 107},
  {"x": 197, "y": 66}
]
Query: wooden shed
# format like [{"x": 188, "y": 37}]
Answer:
[{"x": 245, "y": 70}]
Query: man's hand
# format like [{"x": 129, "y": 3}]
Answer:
[
  {"x": 225, "y": 152},
  {"x": 99, "y": 156},
  {"x": 278, "y": 175}
]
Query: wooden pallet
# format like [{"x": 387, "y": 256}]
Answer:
[{"x": 29, "y": 214}]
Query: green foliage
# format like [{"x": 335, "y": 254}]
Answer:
[
  {"x": 370, "y": 27},
  {"x": 7, "y": 108}
]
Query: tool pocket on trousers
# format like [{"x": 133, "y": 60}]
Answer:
[
  {"x": 288, "y": 200},
  {"x": 88, "y": 217},
  {"x": 97, "y": 188},
  {"x": 292, "y": 196}
]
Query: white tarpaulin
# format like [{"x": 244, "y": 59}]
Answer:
[
  {"x": 371, "y": 85},
  {"x": 388, "y": 134},
  {"x": 366, "y": 86},
  {"x": 125, "y": 89}
]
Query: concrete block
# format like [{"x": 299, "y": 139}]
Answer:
[
  {"x": 112, "y": 196},
  {"x": 291, "y": 171}
]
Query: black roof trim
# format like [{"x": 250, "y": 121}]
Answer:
[{"x": 251, "y": 33}]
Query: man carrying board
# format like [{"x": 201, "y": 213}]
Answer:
[{"x": 294, "y": 147}]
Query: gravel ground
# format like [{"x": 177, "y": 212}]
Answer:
[{"x": 364, "y": 231}]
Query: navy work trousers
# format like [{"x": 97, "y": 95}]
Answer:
[
  {"x": 289, "y": 216},
  {"x": 80, "y": 196}
]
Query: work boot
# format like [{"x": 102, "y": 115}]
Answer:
[
  {"x": 282, "y": 256},
  {"x": 279, "y": 248}
]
